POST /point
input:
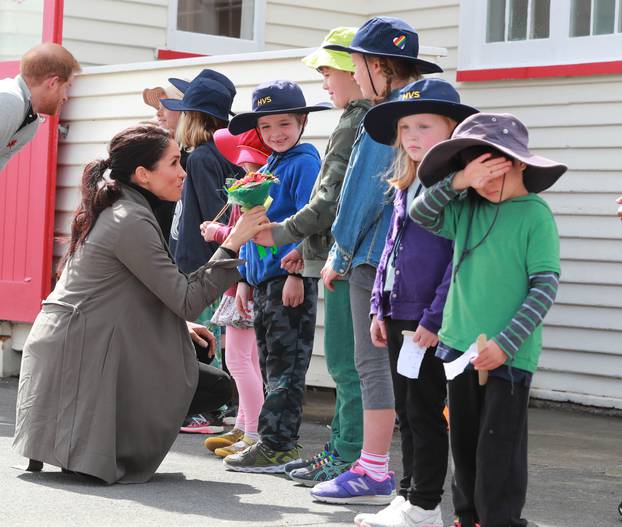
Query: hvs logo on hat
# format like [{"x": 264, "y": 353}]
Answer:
[
  {"x": 400, "y": 42},
  {"x": 264, "y": 100},
  {"x": 413, "y": 94}
]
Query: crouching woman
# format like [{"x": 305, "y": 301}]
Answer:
[{"x": 111, "y": 345}]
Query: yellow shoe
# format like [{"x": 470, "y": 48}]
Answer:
[
  {"x": 212, "y": 443},
  {"x": 241, "y": 445}
]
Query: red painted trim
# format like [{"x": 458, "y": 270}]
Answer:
[
  {"x": 167, "y": 54},
  {"x": 536, "y": 72}
]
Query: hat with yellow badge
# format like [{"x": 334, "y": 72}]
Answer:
[
  {"x": 271, "y": 98},
  {"x": 328, "y": 58},
  {"x": 435, "y": 96}
]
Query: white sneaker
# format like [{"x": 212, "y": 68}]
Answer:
[
  {"x": 397, "y": 502},
  {"x": 407, "y": 515}
]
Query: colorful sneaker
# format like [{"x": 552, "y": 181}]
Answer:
[
  {"x": 212, "y": 443},
  {"x": 356, "y": 487},
  {"x": 199, "y": 424},
  {"x": 397, "y": 502},
  {"x": 407, "y": 515},
  {"x": 304, "y": 463},
  {"x": 239, "y": 446},
  {"x": 326, "y": 469},
  {"x": 262, "y": 459}
]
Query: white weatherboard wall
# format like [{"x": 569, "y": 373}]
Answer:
[
  {"x": 106, "y": 99},
  {"x": 101, "y": 32},
  {"x": 576, "y": 120}
]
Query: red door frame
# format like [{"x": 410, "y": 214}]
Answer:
[{"x": 16, "y": 304}]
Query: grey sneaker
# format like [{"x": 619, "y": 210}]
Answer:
[{"x": 262, "y": 459}]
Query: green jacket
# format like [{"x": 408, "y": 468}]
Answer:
[{"x": 313, "y": 222}]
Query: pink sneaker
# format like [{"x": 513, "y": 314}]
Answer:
[{"x": 198, "y": 424}]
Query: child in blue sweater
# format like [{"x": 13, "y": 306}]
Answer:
[{"x": 285, "y": 304}]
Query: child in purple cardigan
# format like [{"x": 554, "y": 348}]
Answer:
[{"x": 408, "y": 297}]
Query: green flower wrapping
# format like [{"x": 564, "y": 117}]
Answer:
[{"x": 250, "y": 191}]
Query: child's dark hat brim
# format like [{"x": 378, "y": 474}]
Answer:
[
  {"x": 245, "y": 121},
  {"x": 540, "y": 174},
  {"x": 423, "y": 65},
  {"x": 178, "y": 105},
  {"x": 381, "y": 121}
]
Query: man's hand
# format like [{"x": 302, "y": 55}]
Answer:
[
  {"x": 203, "y": 337},
  {"x": 242, "y": 296},
  {"x": 425, "y": 338},
  {"x": 293, "y": 291},
  {"x": 292, "y": 262},
  {"x": 491, "y": 357},
  {"x": 378, "y": 332}
]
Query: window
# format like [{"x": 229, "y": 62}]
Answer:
[
  {"x": 595, "y": 17},
  {"x": 517, "y": 20},
  {"x": 502, "y": 34},
  {"x": 212, "y": 27}
]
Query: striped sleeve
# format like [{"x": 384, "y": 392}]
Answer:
[
  {"x": 427, "y": 209},
  {"x": 540, "y": 297}
]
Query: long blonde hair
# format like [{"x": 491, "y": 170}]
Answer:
[
  {"x": 404, "y": 169},
  {"x": 196, "y": 128}
]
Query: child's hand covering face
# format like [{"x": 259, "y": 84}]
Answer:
[{"x": 481, "y": 172}]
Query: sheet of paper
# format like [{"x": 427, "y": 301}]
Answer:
[
  {"x": 456, "y": 367},
  {"x": 410, "y": 358}
]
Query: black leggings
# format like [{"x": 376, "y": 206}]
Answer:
[{"x": 213, "y": 390}]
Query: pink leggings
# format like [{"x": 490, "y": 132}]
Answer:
[{"x": 243, "y": 363}]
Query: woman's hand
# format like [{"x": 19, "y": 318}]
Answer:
[
  {"x": 293, "y": 291},
  {"x": 242, "y": 296},
  {"x": 491, "y": 357},
  {"x": 247, "y": 226},
  {"x": 328, "y": 274},
  {"x": 292, "y": 262},
  {"x": 209, "y": 229},
  {"x": 481, "y": 170},
  {"x": 203, "y": 337},
  {"x": 378, "y": 332},
  {"x": 425, "y": 338}
]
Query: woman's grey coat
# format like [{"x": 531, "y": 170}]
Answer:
[{"x": 109, "y": 369}]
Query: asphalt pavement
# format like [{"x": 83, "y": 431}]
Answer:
[{"x": 575, "y": 469}]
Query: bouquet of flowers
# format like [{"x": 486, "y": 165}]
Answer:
[{"x": 250, "y": 191}]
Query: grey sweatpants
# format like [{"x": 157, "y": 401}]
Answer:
[{"x": 372, "y": 363}]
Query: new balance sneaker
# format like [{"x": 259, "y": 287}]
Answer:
[
  {"x": 397, "y": 502},
  {"x": 325, "y": 469},
  {"x": 200, "y": 424},
  {"x": 239, "y": 446},
  {"x": 304, "y": 463},
  {"x": 356, "y": 487},
  {"x": 407, "y": 515},
  {"x": 212, "y": 443},
  {"x": 261, "y": 458}
]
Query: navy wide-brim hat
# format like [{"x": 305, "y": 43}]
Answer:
[
  {"x": 501, "y": 131},
  {"x": 423, "y": 96},
  {"x": 388, "y": 37},
  {"x": 206, "y": 96},
  {"x": 271, "y": 98},
  {"x": 182, "y": 85}
]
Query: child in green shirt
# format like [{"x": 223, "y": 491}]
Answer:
[{"x": 505, "y": 279}]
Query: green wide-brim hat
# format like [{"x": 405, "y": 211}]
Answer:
[{"x": 340, "y": 60}]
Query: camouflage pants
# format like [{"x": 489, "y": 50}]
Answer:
[{"x": 285, "y": 342}]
